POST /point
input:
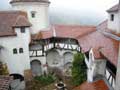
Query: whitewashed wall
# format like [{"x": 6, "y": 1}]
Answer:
[
  {"x": 41, "y": 19},
  {"x": 114, "y": 25},
  {"x": 19, "y": 62},
  {"x": 62, "y": 56},
  {"x": 95, "y": 66},
  {"x": 42, "y": 60}
]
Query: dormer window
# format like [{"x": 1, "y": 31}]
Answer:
[
  {"x": 33, "y": 14},
  {"x": 22, "y": 29},
  {"x": 112, "y": 17}
]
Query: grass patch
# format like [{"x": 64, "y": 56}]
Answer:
[{"x": 46, "y": 79}]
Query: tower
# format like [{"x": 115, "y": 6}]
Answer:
[{"x": 37, "y": 11}]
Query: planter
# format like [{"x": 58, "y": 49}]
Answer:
[{"x": 60, "y": 86}]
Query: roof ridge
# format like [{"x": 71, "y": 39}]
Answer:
[
  {"x": 114, "y": 8},
  {"x": 102, "y": 22},
  {"x": 44, "y": 1},
  {"x": 19, "y": 18},
  {"x": 72, "y": 25},
  {"x": 12, "y": 11}
]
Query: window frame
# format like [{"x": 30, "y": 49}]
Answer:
[{"x": 22, "y": 29}]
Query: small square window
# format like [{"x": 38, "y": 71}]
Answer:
[
  {"x": 22, "y": 29},
  {"x": 112, "y": 17},
  {"x": 21, "y": 50},
  {"x": 33, "y": 13},
  {"x": 14, "y": 51}
]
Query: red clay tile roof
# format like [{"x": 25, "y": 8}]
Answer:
[
  {"x": 101, "y": 44},
  {"x": 73, "y": 31},
  {"x": 44, "y": 1},
  {"x": 114, "y": 8},
  {"x": 97, "y": 85},
  {"x": 10, "y": 19},
  {"x": 22, "y": 21},
  {"x": 4, "y": 82},
  {"x": 88, "y": 37},
  {"x": 43, "y": 34},
  {"x": 66, "y": 31}
]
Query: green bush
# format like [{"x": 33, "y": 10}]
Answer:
[
  {"x": 79, "y": 69},
  {"x": 3, "y": 69},
  {"x": 45, "y": 79}
]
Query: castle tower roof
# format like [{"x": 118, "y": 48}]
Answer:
[{"x": 43, "y": 1}]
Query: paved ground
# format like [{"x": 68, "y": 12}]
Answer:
[
  {"x": 35, "y": 85},
  {"x": 97, "y": 85}
]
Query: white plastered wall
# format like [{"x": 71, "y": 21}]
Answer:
[
  {"x": 41, "y": 19},
  {"x": 19, "y": 62},
  {"x": 114, "y": 25}
]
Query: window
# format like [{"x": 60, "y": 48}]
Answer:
[
  {"x": 33, "y": 13},
  {"x": 22, "y": 29},
  {"x": 21, "y": 50},
  {"x": 112, "y": 17},
  {"x": 14, "y": 51}
]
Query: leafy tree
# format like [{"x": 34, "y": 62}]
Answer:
[{"x": 79, "y": 69}]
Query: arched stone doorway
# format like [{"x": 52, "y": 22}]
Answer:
[
  {"x": 18, "y": 82},
  {"x": 68, "y": 58},
  {"x": 53, "y": 58},
  {"x": 17, "y": 76},
  {"x": 36, "y": 68}
]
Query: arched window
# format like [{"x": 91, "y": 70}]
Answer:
[
  {"x": 14, "y": 51},
  {"x": 21, "y": 50}
]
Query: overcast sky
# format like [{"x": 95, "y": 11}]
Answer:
[
  {"x": 95, "y": 5},
  {"x": 83, "y": 7},
  {"x": 84, "y": 4}
]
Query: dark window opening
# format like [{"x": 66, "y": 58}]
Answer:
[
  {"x": 17, "y": 76},
  {"x": 14, "y": 51},
  {"x": 21, "y": 50},
  {"x": 33, "y": 14},
  {"x": 22, "y": 29},
  {"x": 112, "y": 17},
  {"x": 111, "y": 68}
]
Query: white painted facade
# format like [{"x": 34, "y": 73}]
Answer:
[
  {"x": 114, "y": 25},
  {"x": 42, "y": 61},
  {"x": 41, "y": 18},
  {"x": 95, "y": 66},
  {"x": 59, "y": 58},
  {"x": 19, "y": 62}
]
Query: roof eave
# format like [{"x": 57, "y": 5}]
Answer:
[
  {"x": 111, "y": 11},
  {"x": 11, "y": 2}
]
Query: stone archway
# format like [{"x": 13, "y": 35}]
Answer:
[
  {"x": 68, "y": 58},
  {"x": 53, "y": 58},
  {"x": 18, "y": 82},
  {"x": 36, "y": 68}
]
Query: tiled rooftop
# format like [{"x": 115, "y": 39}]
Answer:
[{"x": 4, "y": 82}]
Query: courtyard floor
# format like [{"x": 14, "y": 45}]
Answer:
[{"x": 36, "y": 85}]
